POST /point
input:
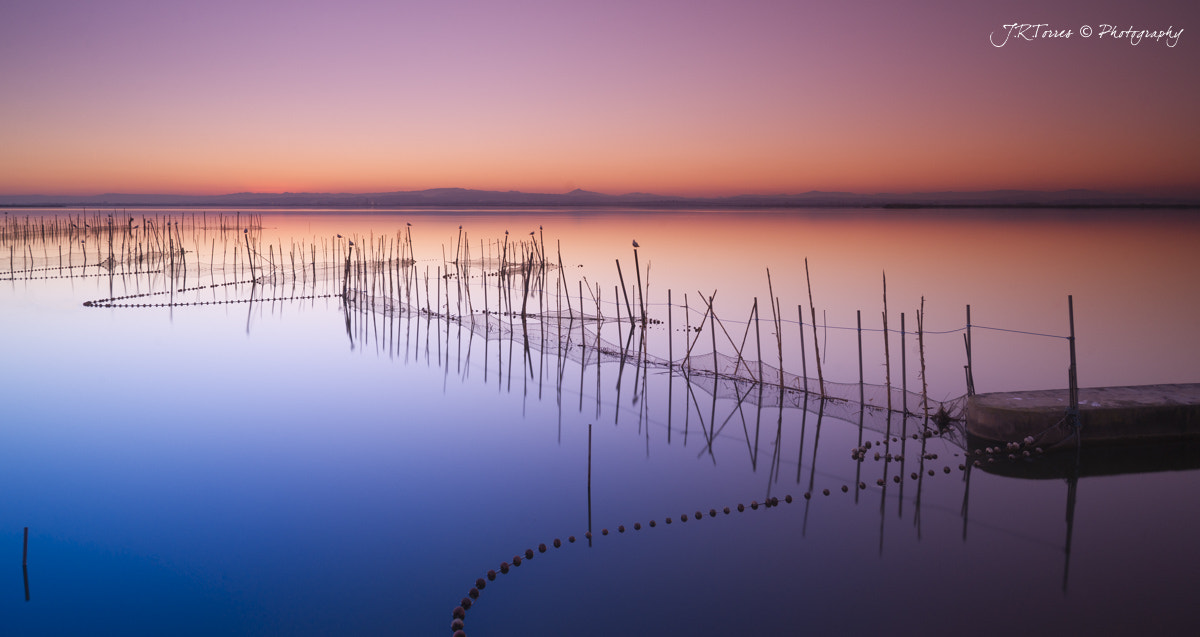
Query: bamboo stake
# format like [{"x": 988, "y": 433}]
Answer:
[
  {"x": 699, "y": 328},
  {"x": 903, "y": 370},
  {"x": 803, "y": 355},
  {"x": 921, "y": 349},
  {"x": 641, "y": 296},
  {"x": 861, "y": 380},
  {"x": 670, "y": 345},
  {"x": 712, "y": 319},
  {"x": 758, "y": 341},
  {"x": 887, "y": 356},
  {"x": 628, "y": 309},
  {"x": 775, "y": 316},
  {"x": 970, "y": 365},
  {"x": 687, "y": 330},
  {"x": 570, "y": 312},
  {"x": 816, "y": 345},
  {"x": 1073, "y": 377}
]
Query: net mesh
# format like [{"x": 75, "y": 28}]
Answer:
[{"x": 577, "y": 337}]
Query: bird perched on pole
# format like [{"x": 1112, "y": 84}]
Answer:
[{"x": 635, "y": 244}]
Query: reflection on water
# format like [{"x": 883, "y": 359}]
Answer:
[{"x": 298, "y": 436}]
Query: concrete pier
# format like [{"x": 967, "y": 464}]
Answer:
[{"x": 1107, "y": 415}]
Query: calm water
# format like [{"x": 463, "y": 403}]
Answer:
[{"x": 301, "y": 467}]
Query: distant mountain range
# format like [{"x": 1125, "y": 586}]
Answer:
[{"x": 463, "y": 197}]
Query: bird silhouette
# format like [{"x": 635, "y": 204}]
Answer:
[{"x": 635, "y": 244}]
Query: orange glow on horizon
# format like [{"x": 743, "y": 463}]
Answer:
[{"x": 776, "y": 100}]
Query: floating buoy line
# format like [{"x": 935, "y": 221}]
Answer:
[{"x": 112, "y": 301}]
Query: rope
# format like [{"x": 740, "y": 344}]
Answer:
[
  {"x": 80, "y": 276},
  {"x": 227, "y": 302},
  {"x": 1002, "y": 329},
  {"x": 108, "y": 302}
]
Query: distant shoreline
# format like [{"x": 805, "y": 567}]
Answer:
[
  {"x": 1034, "y": 206},
  {"x": 444, "y": 198},
  {"x": 626, "y": 206}
]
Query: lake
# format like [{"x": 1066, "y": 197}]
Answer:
[{"x": 299, "y": 443}]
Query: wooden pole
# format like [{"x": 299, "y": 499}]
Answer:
[
  {"x": 249, "y": 255},
  {"x": 775, "y": 316},
  {"x": 712, "y": 324},
  {"x": 628, "y": 308},
  {"x": 921, "y": 350},
  {"x": 970, "y": 365},
  {"x": 570, "y": 312},
  {"x": 903, "y": 370},
  {"x": 887, "y": 353},
  {"x": 1073, "y": 378},
  {"x": 803, "y": 356},
  {"x": 816, "y": 346},
  {"x": 687, "y": 329},
  {"x": 641, "y": 295},
  {"x": 670, "y": 343},
  {"x": 758, "y": 341},
  {"x": 861, "y": 388},
  {"x": 346, "y": 274}
]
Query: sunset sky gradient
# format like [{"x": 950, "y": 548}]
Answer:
[{"x": 691, "y": 97}]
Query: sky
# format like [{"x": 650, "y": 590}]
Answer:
[{"x": 695, "y": 97}]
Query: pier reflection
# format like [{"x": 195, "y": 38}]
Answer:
[{"x": 1070, "y": 465}]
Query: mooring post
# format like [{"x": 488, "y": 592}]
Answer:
[
  {"x": 1072, "y": 378},
  {"x": 903, "y": 371},
  {"x": 25, "y": 549},
  {"x": 860, "y": 363},
  {"x": 970, "y": 364}
]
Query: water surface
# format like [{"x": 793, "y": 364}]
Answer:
[{"x": 313, "y": 467}]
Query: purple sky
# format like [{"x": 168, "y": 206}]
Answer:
[{"x": 671, "y": 97}]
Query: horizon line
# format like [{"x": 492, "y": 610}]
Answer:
[{"x": 1182, "y": 193}]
